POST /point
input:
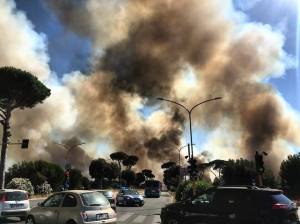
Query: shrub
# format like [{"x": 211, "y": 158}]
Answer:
[
  {"x": 21, "y": 184},
  {"x": 44, "y": 188},
  {"x": 185, "y": 190}
]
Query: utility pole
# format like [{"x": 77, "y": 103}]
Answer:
[
  {"x": 189, "y": 111},
  {"x": 67, "y": 163}
]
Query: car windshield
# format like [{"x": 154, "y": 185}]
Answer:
[
  {"x": 107, "y": 194},
  {"x": 94, "y": 199},
  {"x": 15, "y": 196},
  {"x": 131, "y": 192}
]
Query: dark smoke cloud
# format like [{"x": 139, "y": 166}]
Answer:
[{"x": 158, "y": 47}]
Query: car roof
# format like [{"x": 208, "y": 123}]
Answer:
[
  {"x": 78, "y": 191},
  {"x": 12, "y": 190},
  {"x": 249, "y": 187},
  {"x": 104, "y": 190}
]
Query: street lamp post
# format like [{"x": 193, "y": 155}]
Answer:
[
  {"x": 179, "y": 151},
  {"x": 67, "y": 163},
  {"x": 190, "y": 116}
]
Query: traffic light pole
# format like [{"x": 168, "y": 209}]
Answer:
[{"x": 260, "y": 169}]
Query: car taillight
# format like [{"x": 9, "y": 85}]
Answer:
[
  {"x": 3, "y": 199},
  {"x": 84, "y": 216},
  {"x": 280, "y": 206}
]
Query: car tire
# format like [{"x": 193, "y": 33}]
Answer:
[
  {"x": 71, "y": 222},
  {"x": 23, "y": 218},
  {"x": 172, "y": 221},
  {"x": 29, "y": 220}
]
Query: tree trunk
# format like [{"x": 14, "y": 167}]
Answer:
[{"x": 6, "y": 135}]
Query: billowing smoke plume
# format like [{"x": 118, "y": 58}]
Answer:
[
  {"x": 154, "y": 48},
  {"x": 23, "y": 48}
]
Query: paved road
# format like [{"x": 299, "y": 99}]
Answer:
[{"x": 148, "y": 214}]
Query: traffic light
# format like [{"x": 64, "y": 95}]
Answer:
[
  {"x": 24, "y": 144},
  {"x": 192, "y": 169}
]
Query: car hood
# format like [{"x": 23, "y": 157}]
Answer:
[
  {"x": 134, "y": 196},
  {"x": 175, "y": 205}
]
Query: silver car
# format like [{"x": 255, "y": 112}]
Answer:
[
  {"x": 73, "y": 207},
  {"x": 14, "y": 203}
]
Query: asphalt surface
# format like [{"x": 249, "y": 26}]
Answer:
[{"x": 148, "y": 214}]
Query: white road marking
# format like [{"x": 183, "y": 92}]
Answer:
[
  {"x": 156, "y": 219},
  {"x": 124, "y": 217},
  {"x": 139, "y": 219}
]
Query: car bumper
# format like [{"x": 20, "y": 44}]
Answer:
[
  {"x": 111, "y": 221},
  {"x": 19, "y": 213},
  {"x": 134, "y": 202},
  {"x": 152, "y": 194}
]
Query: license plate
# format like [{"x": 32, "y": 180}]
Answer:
[
  {"x": 102, "y": 216},
  {"x": 16, "y": 205}
]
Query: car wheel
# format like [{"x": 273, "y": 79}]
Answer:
[
  {"x": 29, "y": 220},
  {"x": 172, "y": 221},
  {"x": 23, "y": 218},
  {"x": 71, "y": 222}
]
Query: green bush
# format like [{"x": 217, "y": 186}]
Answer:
[
  {"x": 44, "y": 188},
  {"x": 185, "y": 190},
  {"x": 21, "y": 184}
]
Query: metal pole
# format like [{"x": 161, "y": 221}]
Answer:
[
  {"x": 191, "y": 135},
  {"x": 179, "y": 157}
]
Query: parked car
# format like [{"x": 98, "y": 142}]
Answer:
[
  {"x": 127, "y": 197},
  {"x": 73, "y": 207},
  {"x": 14, "y": 203},
  {"x": 110, "y": 197},
  {"x": 233, "y": 204}
]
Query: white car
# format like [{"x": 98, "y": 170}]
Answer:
[{"x": 14, "y": 203}]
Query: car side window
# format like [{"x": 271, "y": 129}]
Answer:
[
  {"x": 54, "y": 201},
  {"x": 205, "y": 198},
  {"x": 69, "y": 201}
]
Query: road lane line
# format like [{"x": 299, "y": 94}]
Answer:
[
  {"x": 123, "y": 217},
  {"x": 156, "y": 219},
  {"x": 139, "y": 219}
]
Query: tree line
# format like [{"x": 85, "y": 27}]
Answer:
[
  {"x": 236, "y": 172},
  {"x": 102, "y": 174}
]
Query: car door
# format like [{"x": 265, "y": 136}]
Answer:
[
  {"x": 69, "y": 209},
  {"x": 227, "y": 205},
  {"x": 201, "y": 209},
  {"x": 49, "y": 210}
]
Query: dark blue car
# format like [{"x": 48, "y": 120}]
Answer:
[{"x": 128, "y": 197}]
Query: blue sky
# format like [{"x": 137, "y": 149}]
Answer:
[{"x": 69, "y": 52}]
